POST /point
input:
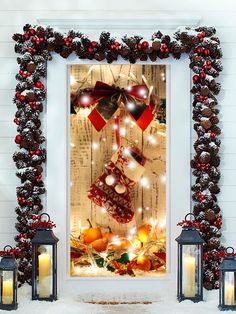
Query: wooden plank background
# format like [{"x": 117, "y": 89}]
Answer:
[{"x": 91, "y": 150}]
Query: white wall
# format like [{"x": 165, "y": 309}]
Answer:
[{"x": 15, "y": 13}]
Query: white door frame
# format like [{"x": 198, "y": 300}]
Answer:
[{"x": 178, "y": 150}]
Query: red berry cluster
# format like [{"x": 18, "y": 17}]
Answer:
[
  {"x": 68, "y": 40},
  {"x": 24, "y": 74},
  {"x": 20, "y": 97},
  {"x": 39, "y": 223},
  {"x": 142, "y": 45},
  {"x": 203, "y": 167},
  {"x": 115, "y": 46},
  {"x": 201, "y": 36},
  {"x": 200, "y": 196}
]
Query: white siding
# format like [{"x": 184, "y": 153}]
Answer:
[{"x": 15, "y": 13}]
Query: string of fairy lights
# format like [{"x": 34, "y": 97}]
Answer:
[{"x": 152, "y": 139}]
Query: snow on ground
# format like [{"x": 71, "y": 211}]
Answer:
[{"x": 69, "y": 305}]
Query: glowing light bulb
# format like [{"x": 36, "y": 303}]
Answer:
[
  {"x": 92, "y": 162},
  {"x": 136, "y": 141},
  {"x": 163, "y": 179},
  {"x": 122, "y": 131},
  {"x": 147, "y": 208},
  {"x": 162, "y": 224},
  {"x": 115, "y": 126},
  {"x": 127, "y": 120},
  {"x": 72, "y": 144},
  {"x": 140, "y": 209},
  {"x": 130, "y": 106},
  {"x": 132, "y": 231},
  {"x": 72, "y": 80},
  {"x": 103, "y": 210},
  {"x": 126, "y": 152},
  {"x": 144, "y": 181},
  {"x": 142, "y": 92},
  {"x": 85, "y": 99},
  {"x": 71, "y": 183},
  {"x": 104, "y": 139},
  {"x": 131, "y": 255},
  {"x": 132, "y": 165},
  {"x": 129, "y": 88},
  {"x": 151, "y": 139},
  {"x": 95, "y": 145},
  {"x": 114, "y": 147}
]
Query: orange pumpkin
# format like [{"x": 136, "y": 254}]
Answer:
[
  {"x": 100, "y": 244},
  {"x": 144, "y": 232},
  {"x": 108, "y": 235},
  {"x": 91, "y": 234},
  {"x": 143, "y": 263}
]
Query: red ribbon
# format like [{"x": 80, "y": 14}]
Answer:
[{"x": 108, "y": 99}]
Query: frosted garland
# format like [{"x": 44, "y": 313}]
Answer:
[{"x": 35, "y": 46}]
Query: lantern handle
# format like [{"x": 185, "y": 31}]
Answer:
[
  {"x": 7, "y": 247},
  {"x": 45, "y": 214},
  {"x": 229, "y": 247},
  {"x": 189, "y": 214}
]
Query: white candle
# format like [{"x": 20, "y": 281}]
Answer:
[
  {"x": 44, "y": 261},
  {"x": 7, "y": 291},
  {"x": 189, "y": 269},
  {"x": 229, "y": 294}
]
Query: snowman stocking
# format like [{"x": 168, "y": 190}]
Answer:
[{"x": 112, "y": 189}]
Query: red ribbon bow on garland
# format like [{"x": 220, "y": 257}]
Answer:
[{"x": 108, "y": 99}]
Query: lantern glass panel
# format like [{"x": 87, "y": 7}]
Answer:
[
  {"x": 44, "y": 263},
  {"x": 7, "y": 287},
  {"x": 191, "y": 270},
  {"x": 229, "y": 288}
]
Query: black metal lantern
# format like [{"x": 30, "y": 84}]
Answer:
[
  {"x": 44, "y": 264},
  {"x": 227, "y": 293},
  {"x": 190, "y": 263},
  {"x": 8, "y": 281}
]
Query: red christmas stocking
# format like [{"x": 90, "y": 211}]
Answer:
[{"x": 112, "y": 189}]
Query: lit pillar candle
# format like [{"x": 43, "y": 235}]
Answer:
[
  {"x": 229, "y": 294},
  {"x": 44, "y": 260},
  {"x": 189, "y": 271},
  {"x": 7, "y": 291}
]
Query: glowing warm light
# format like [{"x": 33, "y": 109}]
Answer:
[
  {"x": 130, "y": 105},
  {"x": 151, "y": 139},
  {"x": 132, "y": 165},
  {"x": 92, "y": 162},
  {"x": 104, "y": 139},
  {"x": 136, "y": 141},
  {"x": 144, "y": 182},
  {"x": 72, "y": 80},
  {"x": 162, "y": 224},
  {"x": 136, "y": 243},
  {"x": 126, "y": 152},
  {"x": 129, "y": 88},
  {"x": 77, "y": 270},
  {"x": 142, "y": 92},
  {"x": 132, "y": 231},
  {"x": 71, "y": 183},
  {"x": 127, "y": 120},
  {"x": 163, "y": 179},
  {"x": 153, "y": 222},
  {"x": 140, "y": 210},
  {"x": 115, "y": 240},
  {"x": 131, "y": 255},
  {"x": 103, "y": 210},
  {"x": 147, "y": 208},
  {"x": 114, "y": 147},
  {"x": 95, "y": 145},
  {"x": 115, "y": 126},
  {"x": 122, "y": 131},
  {"x": 85, "y": 100},
  {"x": 72, "y": 145}
]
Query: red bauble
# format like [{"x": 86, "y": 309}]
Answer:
[
  {"x": 94, "y": 44},
  {"x": 206, "y": 52},
  {"x": 31, "y": 32},
  {"x": 145, "y": 44},
  {"x": 195, "y": 78},
  {"x": 18, "y": 139},
  {"x": 22, "y": 98},
  {"x": 139, "y": 46},
  {"x": 199, "y": 50},
  {"x": 90, "y": 50},
  {"x": 202, "y": 75},
  {"x": 39, "y": 85},
  {"x": 16, "y": 121},
  {"x": 26, "y": 36}
]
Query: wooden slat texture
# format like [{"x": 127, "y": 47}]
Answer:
[{"x": 87, "y": 163}]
